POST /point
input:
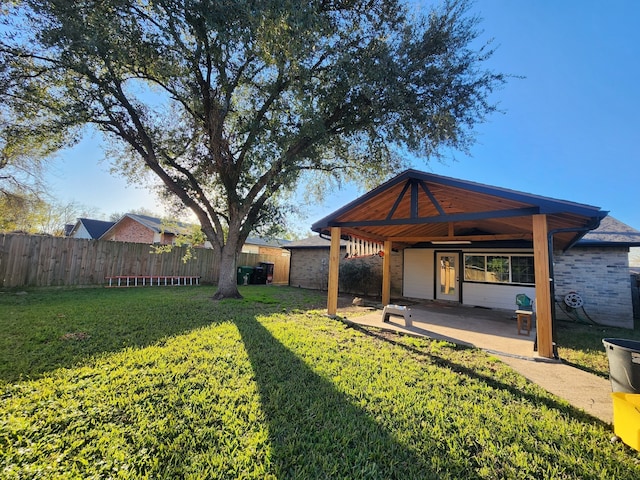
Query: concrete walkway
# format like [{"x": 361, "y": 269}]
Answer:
[{"x": 495, "y": 332}]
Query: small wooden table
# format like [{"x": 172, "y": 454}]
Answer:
[{"x": 524, "y": 315}]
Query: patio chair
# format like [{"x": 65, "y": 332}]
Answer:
[{"x": 524, "y": 312}]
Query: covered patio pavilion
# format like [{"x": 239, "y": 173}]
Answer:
[{"x": 417, "y": 208}]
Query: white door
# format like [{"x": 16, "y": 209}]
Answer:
[
  {"x": 419, "y": 276},
  {"x": 447, "y": 281}
]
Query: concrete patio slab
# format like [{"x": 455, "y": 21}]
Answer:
[{"x": 495, "y": 331}]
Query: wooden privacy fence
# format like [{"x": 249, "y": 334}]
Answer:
[
  {"x": 281, "y": 265},
  {"x": 38, "y": 260}
]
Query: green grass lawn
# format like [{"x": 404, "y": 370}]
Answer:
[
  {"x": 165, "y": 383},
  {"x": 581, "y": 345}
]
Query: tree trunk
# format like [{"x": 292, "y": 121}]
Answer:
[{"x": 227, "y": 279}]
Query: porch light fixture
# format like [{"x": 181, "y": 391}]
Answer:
[{"x": 451, "y": 242}]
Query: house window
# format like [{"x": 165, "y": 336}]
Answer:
[
  {"x": 474, "y": 268},
  {"x": 499, "y": 269},
  {"x": 522, "y": 270}
]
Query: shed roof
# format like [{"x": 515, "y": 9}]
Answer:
[
  {"x": 415, "y": 207},
  {"x": 312, "y": 242},
  {"x": 271, "y": 242}
]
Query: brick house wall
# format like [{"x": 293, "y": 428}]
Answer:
[
  {"x": 601, "y": 277},
  {"x": 128, "y": 230},
  {"x": 310, "y": 268}
]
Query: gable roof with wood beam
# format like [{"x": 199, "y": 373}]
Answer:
[{"x": 416, "y": 207}]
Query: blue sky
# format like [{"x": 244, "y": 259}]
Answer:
[{"x": 570, "y": 128}]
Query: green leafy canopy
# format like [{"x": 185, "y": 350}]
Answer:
[{"x": 230, "y": 102}]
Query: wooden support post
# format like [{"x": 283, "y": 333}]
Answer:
[
  {"x": 386, "y": 274},
  {"x": 334, "y": 269},
  {"x": 544, "y": 303}
]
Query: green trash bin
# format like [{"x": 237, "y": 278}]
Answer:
[
  {"x": 624, "y": 364},
  {"x": 245, "y": 275}
]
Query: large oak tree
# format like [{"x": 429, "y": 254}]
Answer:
[{"x": 231, "y": 102}]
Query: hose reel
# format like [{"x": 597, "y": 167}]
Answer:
[
  {"x": 574, "y": 308},
  {"x": 573, "y": 300}
]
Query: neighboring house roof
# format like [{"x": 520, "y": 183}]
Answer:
[
  {"x": 95, "y": 228},
  {"x": 612, "y": 232},
  {"x": 159, "y": 225},
  {"x": 272, "y": 242},
  {"x": 154, "y": 224},
  {"x": 315, "y": 241}
]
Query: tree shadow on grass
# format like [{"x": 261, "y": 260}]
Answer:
[
  {"x": 316, "y": 431},
  {"x": 48, "y": 329},
  {"x": 493, "y": 382}
]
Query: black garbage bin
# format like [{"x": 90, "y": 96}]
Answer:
[
  {"x": 624, "y": 364},
  {"x": 259, "y": 276},
  {"x": 268, "y": 271}
]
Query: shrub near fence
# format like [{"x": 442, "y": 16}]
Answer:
[{"x": 38, "y": 260}]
